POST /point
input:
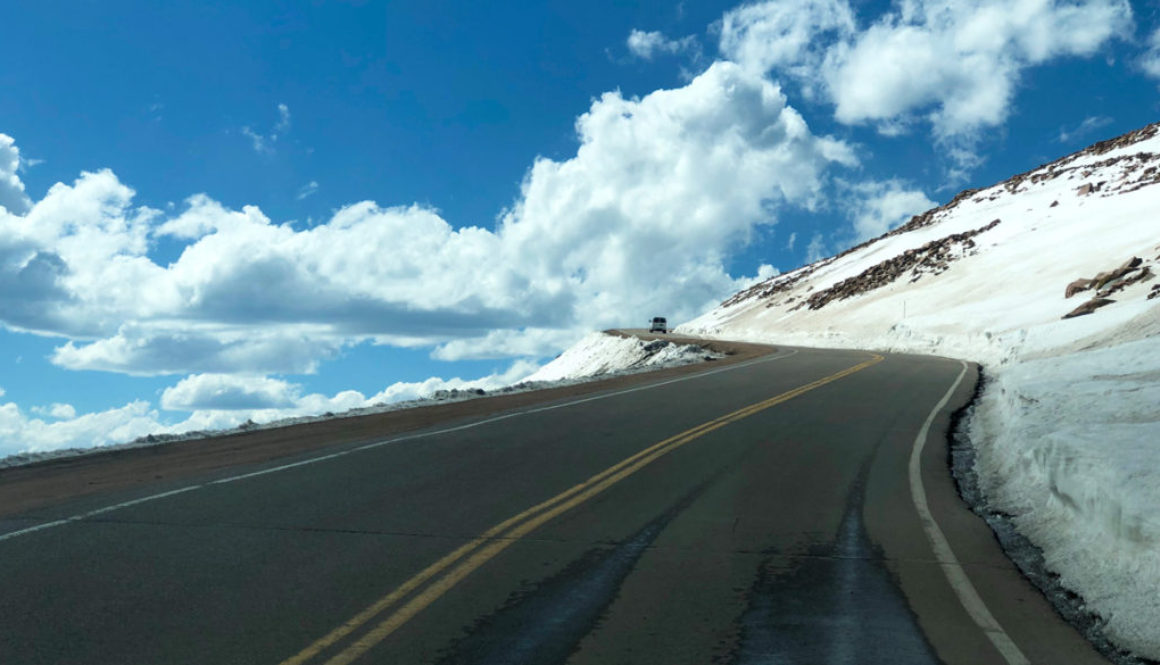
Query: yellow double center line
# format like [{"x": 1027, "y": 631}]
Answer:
[{"x": 478, "y": 551}]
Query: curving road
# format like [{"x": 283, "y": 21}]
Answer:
[{"x": 791, "y": 508}]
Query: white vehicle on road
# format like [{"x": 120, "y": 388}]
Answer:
[{"x": 659, "y": 324}]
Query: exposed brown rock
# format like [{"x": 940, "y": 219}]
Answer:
[
  {"x": 1106, "y": 278},
  {"x": 1125, "y": 279},
  {"x": 1088, "y": 307},
  {"x": 932, "y": 258},
  {"x": 1081, "y": 284}
]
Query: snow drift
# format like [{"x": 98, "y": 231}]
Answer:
[
  {"x": 1049, "y": 281},
  {"x": 598, "y": 354}
]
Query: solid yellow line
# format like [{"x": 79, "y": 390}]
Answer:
[
  {"x": 442, "y": 564},
  {"x": 520, "y": 525},
  {"x": 448, "y": 560}
]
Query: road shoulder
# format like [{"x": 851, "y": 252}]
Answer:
[{"x": 47, "y": 483}]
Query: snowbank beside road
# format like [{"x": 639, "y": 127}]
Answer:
[
  {"x": 601, "y": 353},
  {"x": 1068, "y": 430},
  {"x": 1068, "y": 446}
]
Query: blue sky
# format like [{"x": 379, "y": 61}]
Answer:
[{"x": 213, "y": 211}]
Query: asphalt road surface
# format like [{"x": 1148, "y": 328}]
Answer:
[{"x": 793, "y": 508}]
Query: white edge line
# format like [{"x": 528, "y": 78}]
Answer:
[
  {"x": 38, "y": 527},
  {"x": 126, "y": 504},
  {"x": 377, "y": 444},
  {"x": 956, "y": 576}
]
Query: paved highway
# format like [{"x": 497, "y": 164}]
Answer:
[{"x": 795, "y": 508}]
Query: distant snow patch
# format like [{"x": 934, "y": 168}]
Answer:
[{"x": 601, "y": 353}]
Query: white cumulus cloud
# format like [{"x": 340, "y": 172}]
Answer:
[
  {"x": 211, "y": 402},
  {"x": 56, "y": 410},
  {"x": 1150, "y": 59},
  {"x": 648, "y": 45},
  {"x": 662, "y": 190},
  {"x": 877, "y": 207},
  {"x": 12, "y": 196},
  {"x": 217, "y": 401},
  {"x": 954, "y": 64},
  {"x": 228, "y": 392},
  {"x": 791, "y": 36},
  {"x": 20, "y": 432},
  {"x": 643, "y": 218}
]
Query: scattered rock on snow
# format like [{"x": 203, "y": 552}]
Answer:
[
  {"x": 1088, "y": 307},
  {"x": 934, "y": 258},
  {"x": 1108, "y": 282},
  {"x": 1081, "y": 284},
  {"x": 1127, "y": 279}
]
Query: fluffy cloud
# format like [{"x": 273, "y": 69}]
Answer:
[
  {"x": 661, "y": 191},
  {"x": 1149, "y": 61},
  {"x": 954, "y": 64},
  {"x": 228, "y": 392},
  {"x": 963, "y": 60},
  {"x": 225, "y": 401},
  {"x": 648, "y": 45},
  {"x": 790, "y": 36},
  {"x": 536, "y": 343},
  {"x": 12, "y": 196},
  {"x": 877, "y": 207},
  {"x": 21, "y": 433},
  {"x": 57, "y": 411},
  {"x": 214, "y": 402},
  {"x": 149, "y": 350}
]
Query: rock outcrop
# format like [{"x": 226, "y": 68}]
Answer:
[
  {"x": 1088, "y": 307},
  {"x": 932, "y": 258},
  {"x": 1108, "y": 282}
]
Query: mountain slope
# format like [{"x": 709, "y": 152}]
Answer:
[{"x": 1049, "y": 280}]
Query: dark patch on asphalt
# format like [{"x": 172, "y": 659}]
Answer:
[
  {"x": 545, "y": 624},
  {"x": 1027, "y": 557},
  {"x": 836, "y": 605}
]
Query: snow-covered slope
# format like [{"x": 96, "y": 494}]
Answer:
[
  {"x": 1068, "y": 429},
  {"x": 602, "y": 353}
]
